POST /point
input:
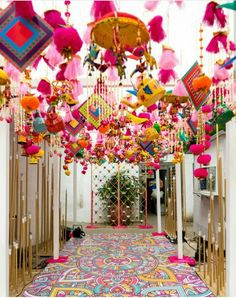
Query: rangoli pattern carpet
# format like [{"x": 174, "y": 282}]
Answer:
[{"x": 118, "y": 265}]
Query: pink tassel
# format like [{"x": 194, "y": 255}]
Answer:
[
  {"x": 151, "y": 5},
  {"x": 67, "y": 40},
  {"x": 60, "y": 75},
  {"x": 168, "y": 59},
  {"x": 220, "y": 74},
  {"x": 77, "y": 88},
  {"x": 44, "y": 87},
  {"x": 220, "y": 17},
  {"x": 155, "y": 29},
  {"x": 87, "y": 35},
  {"x": 179, "y": 2},
  {"x": 53, "y": 18},
  {"x": 109, "y": 57},
  {"x": 232, "y": 46},
  {"x": 53, "y": 56},
  {"x": 36, "y": 62},
  {"x": 213, "y": 46},
  {"x": 68, "y": 116},
  {"x": 101, "y": 8},
  {"x": 179, "y": 89},
  {"x": 23, "y": 89},
  {"x": 73, "y": 69},
  {"x": 112, "y": 74},
  {"x": 24, "y": 9},
  {"x": 206, "y": 109},
  {"x": 12, "y": 71},
  {"x": 166, "y": 75},
  {"x": 209, "y": 15}
]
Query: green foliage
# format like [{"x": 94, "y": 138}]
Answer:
[{"x": 129, "y": 189}]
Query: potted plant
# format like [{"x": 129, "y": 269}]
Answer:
[{"x": 129, "y": 194}]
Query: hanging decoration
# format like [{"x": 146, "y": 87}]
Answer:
[{"x": 22, "y": 39}]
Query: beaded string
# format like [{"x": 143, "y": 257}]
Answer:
[{"x": 67, "y": 13}]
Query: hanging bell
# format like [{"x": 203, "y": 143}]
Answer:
[
  {"x": 33, "y": 160},
  {"x": 22, "y": 140}
]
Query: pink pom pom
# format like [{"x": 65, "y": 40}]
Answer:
[
  {"x": 77, "y": 88},
  {"x": 53, "y": 18},
  {"x": 101, "y": 8},
  {"x": 12, "y": 71},
  {"x": 112, "y": 74},
  {"x": 179, "y": 89},
  {"x": 87, "y": 35},
  {"x": 207, "y": 137},
  {"x": 166, "y": 75},
  {"x": 206, "y": 109},
  {"x": 204, "y": 159},
  {"x": 196, "y": 149},
  {"x": 155, "y": 29},
  {"x": 168, "y": 59},
  {"x": 33, "y": 149},
  {"x": 209, "y": 15},
  {"x": 208, "y": 128},
  {"x": 24, "y": 9},
  {"x": 151, "y": 5},
  {"x": 220, "y": 74},
  {"x": 109, "y": 57},
  {"x": 53, "y": 56},
  {"x": 73, "y": 69},
  {"x": 232, "y": 46},
  {"x": 44, "y": 87},
  {"x": 200, "y": 173},
  {"x": 67, "y": 39}
]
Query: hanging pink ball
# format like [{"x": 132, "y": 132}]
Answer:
[
  {"x": 207, "y": 145},
  {"x": 204, "y": 159},
  {"x": 206, "y": 109},
  {"x": 33, "y": 149},
  {"x": 209, "y": 128},
  {"x": 200, "y": 173},
  {"x": 207, "y": 137},
  {"x": 196, "y": 149}
]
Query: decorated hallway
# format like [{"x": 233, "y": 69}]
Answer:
[{"x": 120, "y": 265}]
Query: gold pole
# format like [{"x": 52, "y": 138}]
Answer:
[
  {"x": 37, "y": 228},
  {"x": 65, "y": 214},
  {"x": 30, "y": 249},
  {"x": 199, "y": 251},
  {"x": 204, "y": 256},
  {"x": 209, "y": 249}
]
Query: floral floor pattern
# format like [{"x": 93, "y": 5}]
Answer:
[{"x": 118, "y": 265}]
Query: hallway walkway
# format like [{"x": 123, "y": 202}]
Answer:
[{"x": 118, "y": 265}]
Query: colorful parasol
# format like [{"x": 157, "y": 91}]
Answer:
[
  {"x": 229, "y": 5},
  {"x": 117, "y": 30}
]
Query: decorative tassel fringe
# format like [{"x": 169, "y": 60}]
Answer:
[
  {"x": 155, "y": 29},
  {"x": 168, "y": 59},
  {"x": 219, "y": 37},
  {"x": 151, "y": 5},
  {"x": 24, "y": 9},
  {"x": 53, "y": 56},
  {"x": 166, "y": 75},
  {"x": 212, "y": 13},
  {"x": 101, "y": 8},
  {"x": 77, "y": 88},
  {"x": 53, "y": 18},
  {"x": 109, "y": 57},
  {"x": 73, "y": 69},
  {"x": 112, "y": 74},
  {"x": 179, "y": 89}
]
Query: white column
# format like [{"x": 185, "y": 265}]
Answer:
[
  {"x": 75, "y": 169},
  {"x": 179, "y": 210},
  {"x": 4, "y": 207},
  {"x": 159, "y": 228},
  {"x": 56, "y": 227},
  {"x": 188, "y": 163},
  {"x": 230, "y": 170}
]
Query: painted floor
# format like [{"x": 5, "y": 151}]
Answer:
[{"x": 118, "y": 265}]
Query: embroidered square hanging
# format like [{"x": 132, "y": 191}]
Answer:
[
  {"x": 22, "y": 40},
  {"x": 197, "y": 98},
  {"x": 95, "y": 109}
]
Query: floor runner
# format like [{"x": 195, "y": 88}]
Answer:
[{"x": 118, "y": 265}]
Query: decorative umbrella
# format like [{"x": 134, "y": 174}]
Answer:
[{"x": 229, "y": 5}]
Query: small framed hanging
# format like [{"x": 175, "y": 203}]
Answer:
[
  {"x": 22, "y": 40},
  {"x": 95, "y": 109},
  {"x": 197, "y": 98}
]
